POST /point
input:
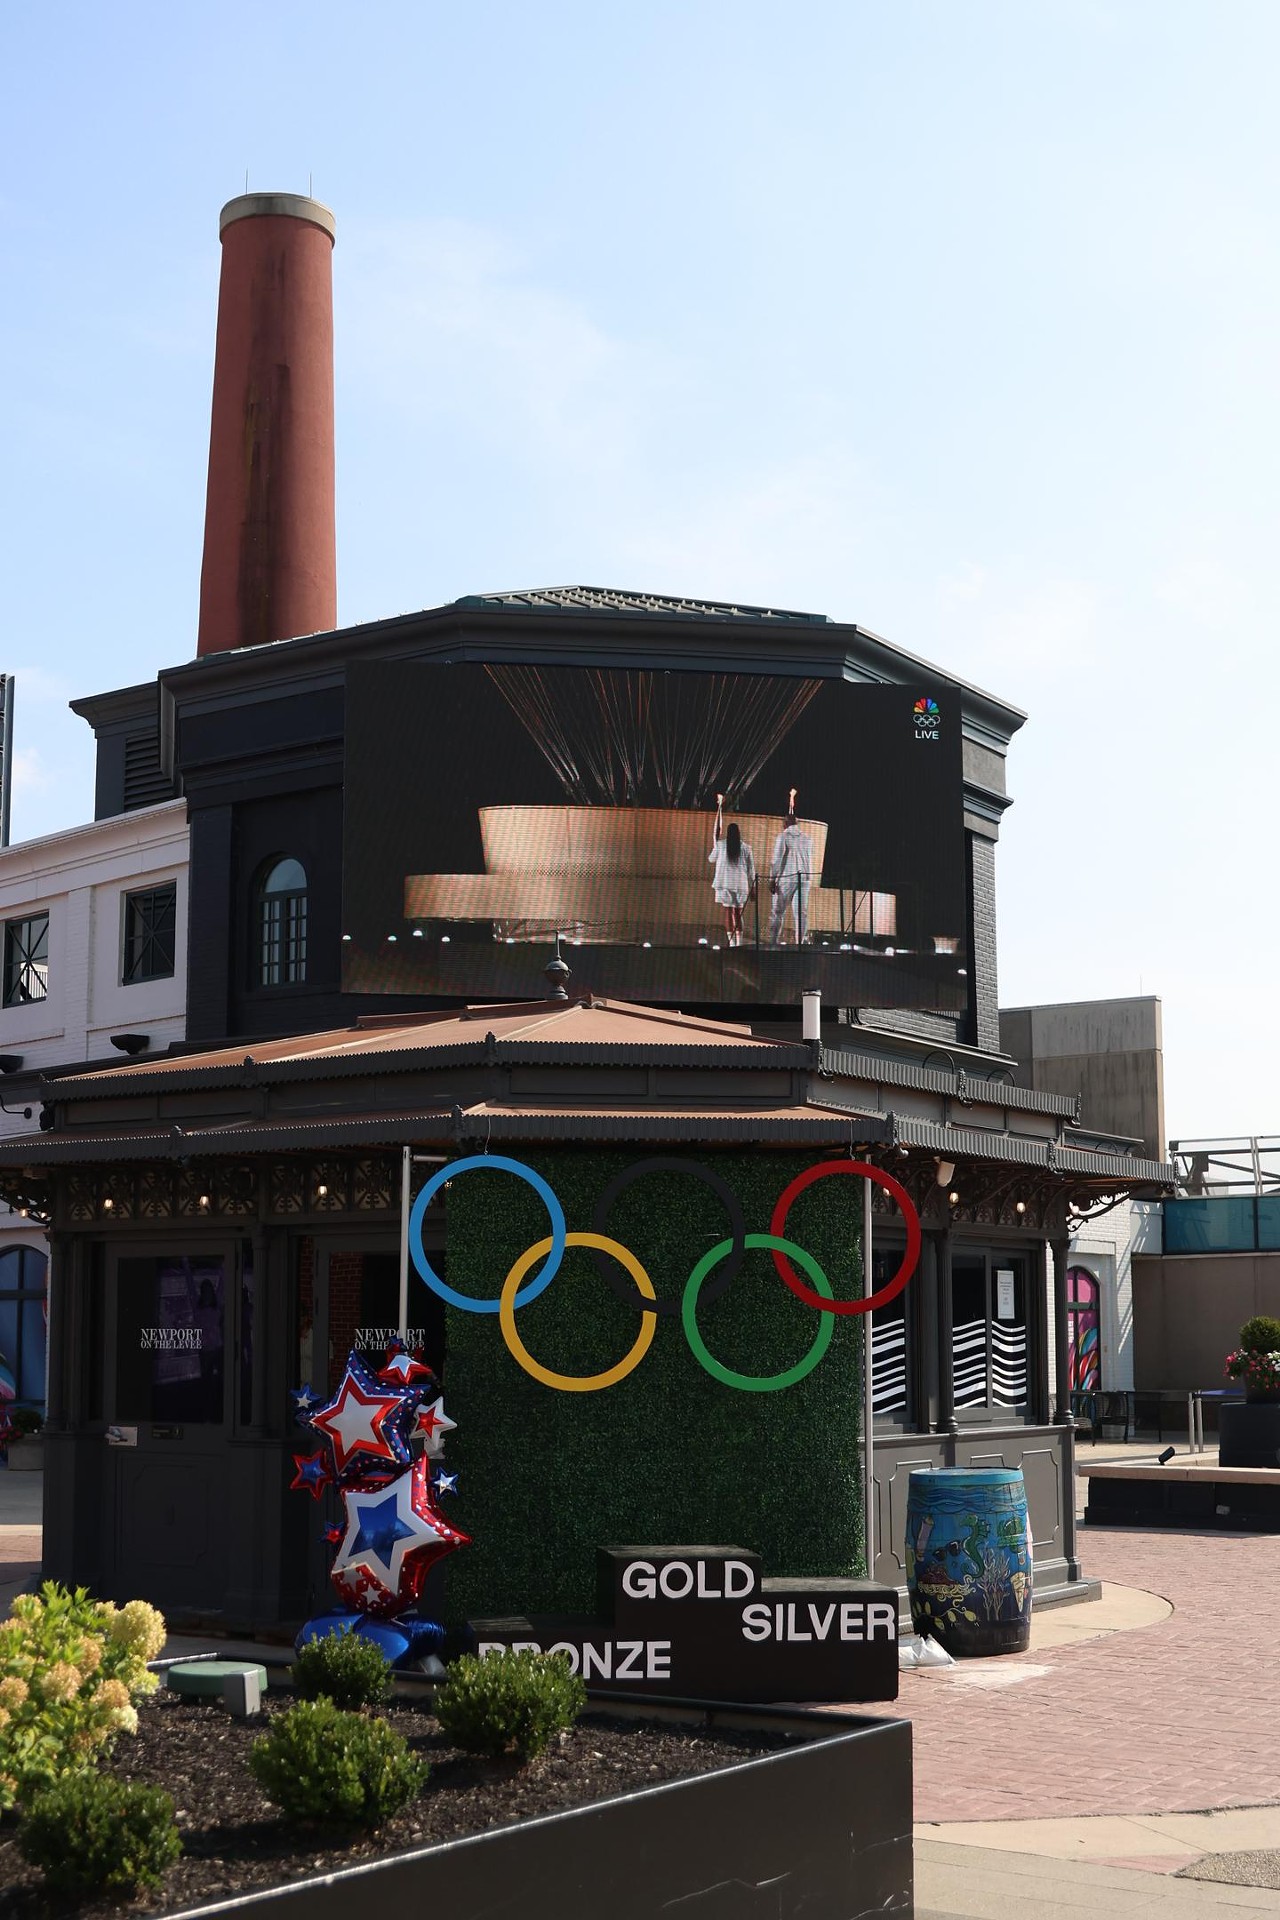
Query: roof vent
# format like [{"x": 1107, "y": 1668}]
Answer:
[{"x": 556, "y": 973}]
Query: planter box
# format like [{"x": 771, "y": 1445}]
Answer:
[
  {"x": 26, "y": 1455},
  {"x": 1200, "y": 1498},
  {"x": 816, "y": 1832},
  {"x": 1249, "y": 1434}
]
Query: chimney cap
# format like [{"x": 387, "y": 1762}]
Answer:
[{"x": 288, "y": 206}]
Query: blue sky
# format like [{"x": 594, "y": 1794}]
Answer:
[{"x": 960, "y": 322}]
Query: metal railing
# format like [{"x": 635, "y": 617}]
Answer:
[{"x": 1240, "y": 1166}]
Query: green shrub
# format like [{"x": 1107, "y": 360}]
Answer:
[
  {"x": 95, "y": 1834},
  {"x": 323, "y": 1766},
  {"x": 71, "y": 1669},
  {"x": 345, "y": 1669},
  {"x": 26, "y": 1421},
  {"x": 509, "y": 1702},
  {"x": 1260, "y": 1335}
]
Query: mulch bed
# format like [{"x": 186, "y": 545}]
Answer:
[{"x": 235, "y": 1840}]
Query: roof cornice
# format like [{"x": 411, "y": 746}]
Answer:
[{"x": 482, "y": 629}]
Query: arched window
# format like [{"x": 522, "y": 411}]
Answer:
[
  {"x": 282, "y": 924},
  {"x": 1082, "y": 1330}
]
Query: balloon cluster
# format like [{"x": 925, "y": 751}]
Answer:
[{"x": 382, "y": 1436}]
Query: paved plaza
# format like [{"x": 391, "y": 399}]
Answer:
[{"x": 1132, "y": 1743}]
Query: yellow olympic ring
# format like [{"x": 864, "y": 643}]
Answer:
[{"x": 576, "y": 1382}]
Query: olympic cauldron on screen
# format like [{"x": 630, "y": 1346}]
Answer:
[{"x": 641, "y": 757}]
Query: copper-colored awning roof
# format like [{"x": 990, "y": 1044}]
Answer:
[{"x": 590, "y": 1032}]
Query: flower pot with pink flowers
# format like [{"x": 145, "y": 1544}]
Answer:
[{"x": 1256, "y": 1361}]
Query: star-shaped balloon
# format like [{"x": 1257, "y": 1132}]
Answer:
[
  {"x": 305, "y": 1400},
  {"x": 434, "y": 1422},
  {"x": 332, "y": 1535},
  {"x": 364, "y": 1422},
  {"x": 394, "y": 1536},
  {"x": 312, "y": 1474},
  {"x": 403, "y": 1368},
  {"x": 443, "y": 1482}
]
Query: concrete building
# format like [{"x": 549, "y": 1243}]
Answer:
[{"x": 1108, "y": 1056}]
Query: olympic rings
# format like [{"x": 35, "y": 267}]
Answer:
[
  {"x": 554, "y": 1247},
  {"x": 586, "y": 1382},
  {"x": 755, "y": 1382},
  {"x": 909, "y": 1214},
  {"x": 728, "y": 1199},
  {"x": 727, "y": 1254}
]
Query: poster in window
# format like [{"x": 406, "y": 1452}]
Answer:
[{"x": 1006, "y": 1305}]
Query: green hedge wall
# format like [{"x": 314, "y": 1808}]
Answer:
[{"x": 670, "y": 1455}]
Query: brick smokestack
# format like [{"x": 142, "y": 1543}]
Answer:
[{"x": 270, "y": 560}]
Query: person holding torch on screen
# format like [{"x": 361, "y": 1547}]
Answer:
[
  {"x": 790, "y": 872},
  {"x": 734, "y": 879}
]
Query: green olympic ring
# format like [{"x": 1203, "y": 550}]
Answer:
[{"x": 755, "y": 1382}]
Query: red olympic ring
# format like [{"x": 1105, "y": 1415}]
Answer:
[{"x": 777, "y": 1227}]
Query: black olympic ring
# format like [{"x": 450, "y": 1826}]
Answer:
[{"x": 608, "y": 1269}]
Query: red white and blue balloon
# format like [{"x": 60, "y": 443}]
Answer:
[
  {"x": 382, "y": 1436},
  {"x": 395, "y": 1534}
]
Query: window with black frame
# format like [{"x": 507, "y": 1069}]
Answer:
[
  {"x": 171, "y": 1339},
  {"x": 150, "y": 934},
  {"x": 24, "y": 1325},
  {"x": 281, "y": 925},
  {"x": 26, "y": 960},
  {"x": 990, "y": 1330}
]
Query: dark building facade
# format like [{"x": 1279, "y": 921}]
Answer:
[{"x": 257, "y": 1174}]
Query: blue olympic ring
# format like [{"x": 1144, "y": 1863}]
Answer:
[{"x": 550, "y": 1266}]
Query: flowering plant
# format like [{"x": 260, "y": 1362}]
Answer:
[
  {"x": 71, "y": 1669},
  {"x": 1256, "y": 1361},
  {"x": 1260, "y": 1372}
]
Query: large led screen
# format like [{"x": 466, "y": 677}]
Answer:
[{"x": 702, "y": 838}]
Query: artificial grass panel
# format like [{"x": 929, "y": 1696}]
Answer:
[{"x": 670, "y": 1455}]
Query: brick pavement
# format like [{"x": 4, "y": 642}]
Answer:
[{"x": 1173, "y": 1717}]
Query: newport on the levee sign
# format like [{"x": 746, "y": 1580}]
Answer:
[{"x": 703, "y": 1623}]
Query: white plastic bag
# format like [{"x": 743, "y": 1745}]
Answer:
[{"x": 918, "y": 1650}]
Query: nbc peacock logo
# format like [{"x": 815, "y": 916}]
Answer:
[{"x": 928, "y": 718}]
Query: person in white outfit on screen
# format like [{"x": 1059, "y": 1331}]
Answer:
[
  {"x": 734, "y": 879},
  {"x": 790, "y": 872}
]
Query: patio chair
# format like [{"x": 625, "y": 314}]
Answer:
[{"x": 1111, "y": 1409}]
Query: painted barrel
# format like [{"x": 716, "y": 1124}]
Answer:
[{"x": 969, "y": 1559}]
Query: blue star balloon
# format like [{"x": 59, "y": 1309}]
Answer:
[
  {"x": 312, "y": 1473},
  {"x": 304, "y": 1403}
]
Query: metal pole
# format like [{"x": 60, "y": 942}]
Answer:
[
  {"x": 406, "y": 1180},
  {"x": 868, "y": 1419},
  {"x": 6, "y": 753}
]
